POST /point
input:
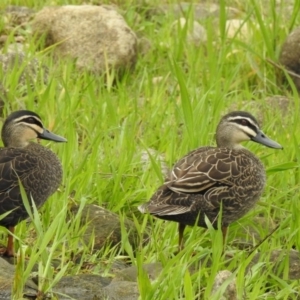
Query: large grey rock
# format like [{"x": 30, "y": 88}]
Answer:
[{"x": 96, "y": 36}]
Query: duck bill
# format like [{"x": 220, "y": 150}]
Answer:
[
  {"x": 48, "y": 135},
  {"x": 261, "y": 138}
]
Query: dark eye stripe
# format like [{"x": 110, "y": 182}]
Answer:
[
  {"x": 245, "y": 122},
  {"x": 31, "y": 120}
]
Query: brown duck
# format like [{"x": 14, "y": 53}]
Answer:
[
  {"x": 38, "y": 168},
  {"x": 207, "y": 177}
]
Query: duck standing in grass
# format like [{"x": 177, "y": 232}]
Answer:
[
  {"x": 208, "y": 178},
  {"x": 36, "y": 167}
]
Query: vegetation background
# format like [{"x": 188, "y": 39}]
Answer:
[{"x": 170, "y": 103}]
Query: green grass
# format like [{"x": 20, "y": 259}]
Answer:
[{"x": 109, "y": 126}]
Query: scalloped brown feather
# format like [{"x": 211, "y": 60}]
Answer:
[
  {"x": 204, "y": 179},
  {"x": 40, "y": 172}
]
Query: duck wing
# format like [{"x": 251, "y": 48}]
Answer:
[
  {"x": 203, "y": 169},
  {"x": 199, "y": 179},
  {"x": 15, "y": 165}
]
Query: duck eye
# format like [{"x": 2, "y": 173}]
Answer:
[
  {"x": 244, "y": 122},
  {"x": 31, "y": 120}
]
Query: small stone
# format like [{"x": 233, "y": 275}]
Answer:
[
  {"x": 144, "y": 46},
  {"x": 16, "y": 15},
  {"x": 121, "y": 290},
  {"x": 146, "y": 160},
  {"x": 230, "y": 292},
  {"x": 199, "y": 11},
  {"x": 131, "y": 273},
  {"x": 196, "y": 33},
  {"x": 237, "y": 28},
  {"x": 157, "y": 79}
]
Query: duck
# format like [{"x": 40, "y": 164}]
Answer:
[
  {"x": 21, "y": 160},
  {"x": 210, "y": 182}
]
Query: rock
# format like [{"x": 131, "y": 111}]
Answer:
[
  {"x": 281, "y": 104},
  {"x": 144, "y": 46},
  {"x": 284, "y": 11},
  {"x": 7, "y": 276},
  {"x": 230, "y": 292},
  {"x": 27, "y": 71},
  {"x": 105, "y": 226},
  {"x": 159, "y": 158},
  {"x": 29, "y": 66},
  {"x": 131, "y": 273},
  {"x": 200, "y": 11},
  {"x": 196, "y": 33},
  {"x": 290, "y": 55},
  {"x": 6, "y": 279},
  {"x": 19, "y": 40},
  {"x": 157, "y": 79},
  {"x": 120, "y": 290},
  {"x": 276, "y": 258},
  {"x": 96, "y": 36},
  {"x": 83, "y": 286},
  {"x": 14, "y": 15},
  {"x": 92, "y": 287},
  {"x": 238, "y": 28},
  {"x": 276, "y": 104},
  {"x": 251, "y": 234},
  {"x": 15, "y": 21}
]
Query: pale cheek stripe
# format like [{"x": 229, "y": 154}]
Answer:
[{"x": 247, "y": 130}]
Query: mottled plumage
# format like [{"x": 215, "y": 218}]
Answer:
[
  {"x": 208, "y": 176},
  {"x": 37, "y": 167}
]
